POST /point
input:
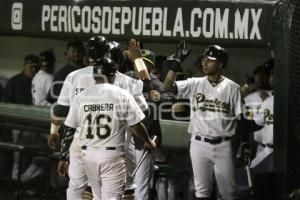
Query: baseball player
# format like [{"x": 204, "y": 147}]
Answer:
[
  {"x": 143, "y": 174},
  {"x": 101, "y": 112},
  {"x": 263, "y": 161},
  {"x": 75, "y": 83},
  {"x": 253, "y": 102},
  {"x": 215, "y": 106},
  {"x": 42, "y": 81}
]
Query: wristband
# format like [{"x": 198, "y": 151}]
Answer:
[
  {"x": 140, "y": 65},
  {"x": 54, "y": 129}
]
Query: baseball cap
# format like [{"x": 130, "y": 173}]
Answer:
[
  {"x": 148, "y": 56},
  {"x": 267, "y": 67},
  {"x": 31, "y": 59}
]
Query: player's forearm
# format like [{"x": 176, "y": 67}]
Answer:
[
  {"x": 66, "y": 142},
  {"x": 169, "y": 80},
  {"x": 141, "y": 69},
  {"x": 58, "y": 114},
  {"x": 140, "y": 131}
]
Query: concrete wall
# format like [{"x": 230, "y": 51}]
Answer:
[{"x": 13, "y": 50}]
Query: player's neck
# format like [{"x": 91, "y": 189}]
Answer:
[
  {"x": 100, "y": 81},
  {"x": 215, "y": 78}
]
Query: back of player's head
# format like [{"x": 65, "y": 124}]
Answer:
[
  {"x": 47, "y": 58},
  {"x": 104, "y": 66},
  {"x": 216, "y": 52},
  {"x": 116, "y": 52},
  {"x": 97, "y": 46}
]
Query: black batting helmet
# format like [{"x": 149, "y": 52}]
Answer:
[
  {"x": 47, "y": 58},
  {"x": 97, "y": 46},
  {"x": 104, "y": 66},
  {"x": 116, "y": 52},
  {"x": 216, "y": 52}
]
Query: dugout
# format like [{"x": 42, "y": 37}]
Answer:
[{"x": 252, "y": 30}]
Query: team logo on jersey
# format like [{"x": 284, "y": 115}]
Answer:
[
  {"x": 211, "y": 105},
  {"x": 251, "y": 110},
  {"x": 268, "y": 117}
]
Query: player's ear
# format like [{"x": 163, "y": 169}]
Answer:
[
  {"x": 221, "y": 65},
  {"x": 112, "y": 78}
]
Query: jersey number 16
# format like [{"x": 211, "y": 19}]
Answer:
[{"x": 104, "y": 126}]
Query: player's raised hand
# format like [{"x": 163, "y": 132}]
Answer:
[
  {"x": 134, "y": 50},
  {"x": 182, "y": 51},
  {"x": 63, "y": 167},
  {"x": 53, "y": 139}
]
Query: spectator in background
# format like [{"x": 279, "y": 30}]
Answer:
[
  {"x": 75, "y": 54},
  {"x": 42, "y": 81},
  {"x": 18, "y": 88}
]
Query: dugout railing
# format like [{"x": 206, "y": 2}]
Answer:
[{"x": 35, "y": 122}]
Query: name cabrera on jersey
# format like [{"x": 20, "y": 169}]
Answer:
[
  {"x": 101, "y": 112},
  {"x": 77, "y": 81},
  {"x": 265, "y": 118},
  {"x": 213, "y": 109}
]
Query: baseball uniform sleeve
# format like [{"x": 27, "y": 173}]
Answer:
[
  {"x": 141, "y": 102},
  {"x": 65, "y": 93},
  {"x": 72, "y": 119},
  {"x": 133, "y": 114},
  {"x": 237, "y": 102},
  {"x": 185, "y": 88},
  {"x": 137, "y": 87},
  {"x": 136, "y": 90}
]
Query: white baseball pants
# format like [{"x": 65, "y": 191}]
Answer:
[
  {"x": 78, "y": 178},
  {"x": 209, "y": 160},
  {"x": 143, "y": 176},
  {"x": 106, "y": 172}
]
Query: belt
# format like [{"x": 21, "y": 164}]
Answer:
[
  {"x": 267, "y": 145},
  {"x": 216, "y": 140},
  {"x": 104, "y": 148}
]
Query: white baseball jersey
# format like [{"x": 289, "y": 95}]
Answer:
[
  {"x": 77, "y": 81},
  {"x": 251, "y": 109},
  {"x": 40, "y": 87},
  {"x": 265, "y": 118},
  {"x": 102, "y": 111},
  {"x": 213, "y": 109}
]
